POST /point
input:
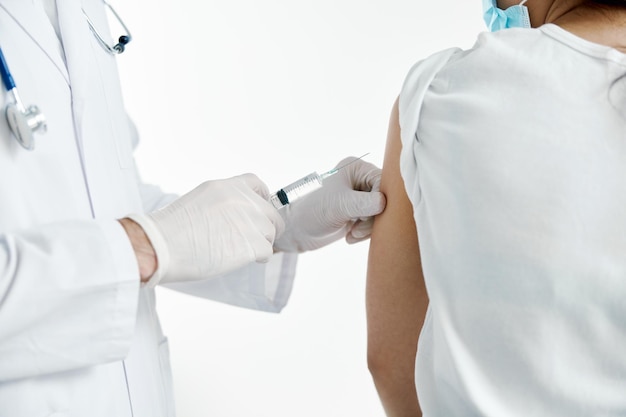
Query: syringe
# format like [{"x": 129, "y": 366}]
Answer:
[{"x": 304, "y": 186}]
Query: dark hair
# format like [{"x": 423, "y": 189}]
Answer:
[
  {"x": 608, "y": 8},
  {"x": 617, "y": 87},
  {"x": 609, "y": 2}
]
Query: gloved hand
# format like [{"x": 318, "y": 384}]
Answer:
[
  {"x": 215, "y": 228},
  {"x": 344, "y": 206}
]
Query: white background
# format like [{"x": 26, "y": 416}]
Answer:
[{"x": 279, "y": 88}]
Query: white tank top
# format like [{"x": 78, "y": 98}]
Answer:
[{"x": 514, "y": 157}]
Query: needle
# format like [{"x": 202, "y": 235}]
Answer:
[{"x": 335, "y": 170}]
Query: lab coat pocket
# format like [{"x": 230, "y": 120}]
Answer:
[{"x": 166, "y": 375}]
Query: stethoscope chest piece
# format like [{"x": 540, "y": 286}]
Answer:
[{"x": 24, "y": 123}]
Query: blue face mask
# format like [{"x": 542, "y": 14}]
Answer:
[{"x": 513, "y": 17}]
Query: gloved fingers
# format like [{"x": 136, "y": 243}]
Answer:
[
  {"x": 262, "y": 247},
  {"x": 259, "y": 197},
  {"x": 362, "y": 204},
  {"x": 374, "y": 180},
  {"x": 362, "y": 175},
  {"x": 360, "y": 230},
  {"x": 274, "y": 217},
  {"x": 258, "y": 186},
  {"x": 238, "y": 234},
  {"x": 266, "y": 227},
  {"x": 366, "y": 176},
  {"x": 352, "y": 240}
]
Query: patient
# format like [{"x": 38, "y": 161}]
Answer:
[{"x": 508, "y": 161}]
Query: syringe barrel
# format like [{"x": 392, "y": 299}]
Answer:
[{"x": 296, "y": 190}]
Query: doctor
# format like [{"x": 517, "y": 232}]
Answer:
[{"x": 83, "y": 241}]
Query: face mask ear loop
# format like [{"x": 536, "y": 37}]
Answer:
[{"x": 526, "y": 17}]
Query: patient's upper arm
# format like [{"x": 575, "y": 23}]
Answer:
[{"x": 396, "y": 297}]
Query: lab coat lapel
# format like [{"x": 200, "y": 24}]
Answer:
[
  {"x": 75, "y": 34},
  {"x": 100, "y": 120},
  {"x": 33, "y": 20}
]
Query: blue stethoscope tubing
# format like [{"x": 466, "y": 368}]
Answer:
[
  {"x": 7, "y": 78},
  {"x": 24, "y": 122}
]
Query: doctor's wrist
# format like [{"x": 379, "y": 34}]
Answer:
[{"x": 144, "y": 251}]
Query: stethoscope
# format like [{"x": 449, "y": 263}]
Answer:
[{"x": 24, "y": 121}]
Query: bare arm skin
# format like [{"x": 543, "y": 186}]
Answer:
[
  {"x": 396, "y": 295},
  {"x": 146, "y": 257}
]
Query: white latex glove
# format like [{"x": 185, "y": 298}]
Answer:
[
  {"x": 344, "y": 206},
  {"x": 217, "y": 227}
]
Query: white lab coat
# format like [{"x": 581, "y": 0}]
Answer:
[{"x": 78, "y": 336}]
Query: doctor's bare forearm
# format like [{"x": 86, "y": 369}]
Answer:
[{"x": 144, "y": 252}]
